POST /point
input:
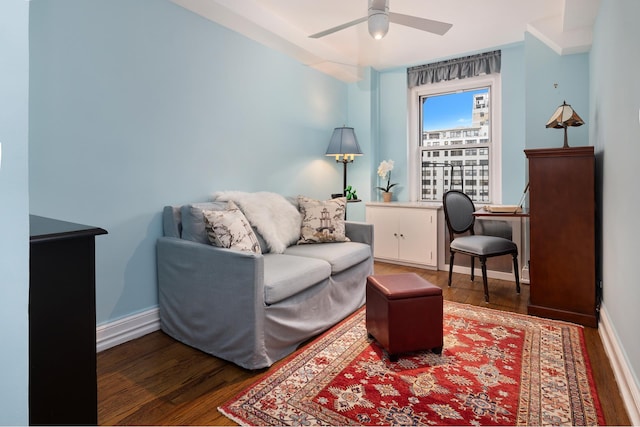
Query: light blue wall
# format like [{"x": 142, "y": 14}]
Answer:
[
  {"x": 139, "y": 104},
  {"x": 614, "y": 131},
  {"x": 393, "y": 142},
  {"x": 14, "y": 211},
  {"x": 544, "y": 68},
  {"x": 363, "y": 104},
  {"x": 513, "y": 119}
]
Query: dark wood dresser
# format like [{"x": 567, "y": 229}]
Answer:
[
  {"x": 562, "y": 234},
  {"x": 62, "y": 323}
]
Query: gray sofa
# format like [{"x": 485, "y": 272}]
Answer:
[{"x": 249, "y": 308}]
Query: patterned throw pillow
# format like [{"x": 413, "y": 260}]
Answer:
[
  {"x": 322, "y": 222},
  {"x": 230, "y": 229}
]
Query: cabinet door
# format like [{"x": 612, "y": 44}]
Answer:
[
  {"x": 417, "y": 236},
  {"x": 385, "y": 223}
]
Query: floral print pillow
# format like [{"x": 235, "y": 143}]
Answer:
[{"x": 230, "y": 229}]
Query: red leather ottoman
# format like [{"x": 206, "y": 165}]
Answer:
[{"x": 404, "y": 313}]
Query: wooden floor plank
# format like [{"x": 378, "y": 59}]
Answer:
[{"x": 155, "y": 380}]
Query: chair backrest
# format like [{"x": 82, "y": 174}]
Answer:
[{"x": 458, "y": 212}]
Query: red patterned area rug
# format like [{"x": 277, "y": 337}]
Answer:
[{"x": 496, "y": 368}]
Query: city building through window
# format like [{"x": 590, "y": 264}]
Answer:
[{"x": 457, "y": 146}]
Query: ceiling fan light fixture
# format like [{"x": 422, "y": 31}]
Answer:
[
  {"x": 378, "y": 20},
  {"x": 378, "y": 24}
]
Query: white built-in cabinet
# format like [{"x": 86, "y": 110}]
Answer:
[{"x": 405, "y": 233}]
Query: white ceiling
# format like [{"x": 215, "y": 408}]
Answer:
[{"x": 284, "y": 25}]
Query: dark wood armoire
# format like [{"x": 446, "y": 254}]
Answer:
[
  {"x": 562, "y": 234},
  {"x": 62, "y": 323}
]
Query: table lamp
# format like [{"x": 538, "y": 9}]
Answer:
[{"x": 563, "y": 117}]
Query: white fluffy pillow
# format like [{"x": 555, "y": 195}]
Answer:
[
  {"x": 230, "y": 229},
  {"x": 275, "y": 218}
]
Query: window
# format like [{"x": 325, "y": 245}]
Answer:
[
  {"x": 466, "y": 108},
  {"x": 461, "y": 120}
]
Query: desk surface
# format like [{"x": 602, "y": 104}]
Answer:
[
  {"x": 45, "y": 229},
  {"x": 482, "y": 212}
]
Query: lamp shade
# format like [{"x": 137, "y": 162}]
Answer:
[
  {"x": 343, "y": 141},
  {"x": 563, "y": 117}
]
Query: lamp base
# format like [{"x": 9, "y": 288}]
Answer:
[
  {"x": 344, "y": 183},
  {"x": 566, "y": 142}
]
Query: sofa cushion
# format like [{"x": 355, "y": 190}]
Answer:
[
  {"x": 286, "y": 275},
  {"x": 230, "y": 229},
  {"x": 341, "y": 256},
  {"x": 322, "y": 221},
  {"x": 171, "y": 222},
  {"x": 273, "y": 215},
  {"x": 193, "y": 225}
]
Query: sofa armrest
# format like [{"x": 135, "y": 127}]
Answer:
[
  {"x": 194, "y": 266},
  {"x": 210, "y": 297},
  {"x": 359, "y": 232}
]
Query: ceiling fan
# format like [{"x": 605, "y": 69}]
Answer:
[{"x": 379, "y": 17}]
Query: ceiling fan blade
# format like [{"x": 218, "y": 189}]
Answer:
[
  {"x": 338, "y": 28},
  {"x": 436, "y": 27}
]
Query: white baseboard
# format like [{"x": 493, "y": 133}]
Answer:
[
  {"x": 629, "y": 389},
  {"x": 126, "y": 329}
]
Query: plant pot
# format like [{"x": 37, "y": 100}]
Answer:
[{"x": 386, "y": 196}]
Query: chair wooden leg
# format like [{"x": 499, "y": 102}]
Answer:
[
  {"x": 483, "y": 261},
  {"x": 472, "y": 268},
  {"x": 450, "y": 267},
  {"x": 515, "y": 271}
]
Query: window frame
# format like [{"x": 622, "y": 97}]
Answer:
[{"x": 493, "y": 81}]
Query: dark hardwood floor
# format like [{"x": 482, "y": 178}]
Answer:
[{"x": 155, "y": 380}]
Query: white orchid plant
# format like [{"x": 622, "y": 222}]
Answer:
[{"x": 384, "y": 171}]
